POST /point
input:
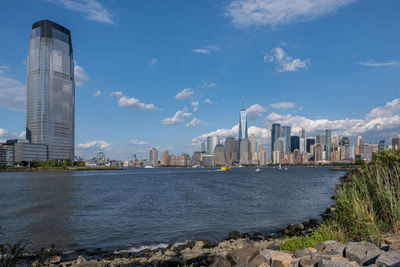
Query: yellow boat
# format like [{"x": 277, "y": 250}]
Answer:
[{"x": 225, "y": 168}]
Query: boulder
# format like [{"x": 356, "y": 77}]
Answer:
[
  {"x": 80, "y": 260},
  {"x": 393, "y": 238},
  {"x": 394, "y": 246},
  {"x": 362, "y": 252},
  {"x": 331, "y": 247},
  {"x": 260, "y": 260},
  {"x": 306, "y": 261},
  {"x": 220, "y": 261},
  {"x": 338, "y": 263},
  {"x": 281, "y": 259},
  {"x": 391, "y": 258},
  {"x": 268, "y": 254},
  {"x": 304, "y": 252},
  {"x": 242, "y": 255},
  {"x": 245, "y": 264}
]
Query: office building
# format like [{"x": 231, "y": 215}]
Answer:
[
  {"x": 231, "y": 150},
  {"x": 382, "y": 145},
  {"x": 252, "y": 145},
  {"x": 212, "y": 141},
  {"x": 286, "y": 132},
  {"x": 208, "y": 161},
  {"x": 396, "y": 142},
  {"x": 203, "y": 148},
  {"x": 242, "y": 126},
  {"x": 153, "y": 157},
  {"x": 219, "y": 153},
  {"x": 50, "y": 110},
  {"x": 309, "y": 142},
  {"x": 164, "y": 158},
  {"x": 294, "y": 143},
  {"x": 7, "y": 155},
  {"x": 303, "y": 141},
  {"x": 26, "y": 152},
  {"x": 320, "y": 139},
  {"x": 328, "y": 144},
  {"x": 275, "y": 134},
  {"x": 245, "y": 155},
  {"x": 262, "y": 155},
  {"x": 344, "y": 141}
]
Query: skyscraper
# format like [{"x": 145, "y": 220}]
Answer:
[
  {"x": 231, "y": 149},
  {"x": 328, "y": 143},
  {"x": 396, "y": 142},
  {"x": 275, "y": 134},
  {"x": 50, "y": 111},
  {"x": 294, "y": 143},
  {"x": 212, "y": 142},
  {"x": 242, "y": 126},
  {"x": 286, "y": 132},
  {"x": 303, "y": 141},
  {"x": 153, "y": 157}
]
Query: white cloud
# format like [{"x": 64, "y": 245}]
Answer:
[
  {"x": 12, "y": 93},
  {"x": 124, "y": 101},
  {"x": 392, "y": 63},
  {"x": 185, "y": 93},
  {"x": 207, "y": 101},
  {"x": 3, "y": 132},
  {"x": 98, "y": 92},
  {"x": 91, "y": 9},
  {"x": 283, "y": 105},
  {"x": 177, "y": 118},
  {"x": 381, "y": 121},
  {"x": 80, "y": 75},
  {"x": 195, "y": 105},
  {"x": 246, "y": 13},
  {"x": 207, "y": 50},
  {"x": 285, "y": 63},
  {"x": 193, "y": 122},
  {"x": 4, "y": 69},
  {"x": 137, "y": 142},
  {"x": 255, "y": 111},
  {"x": 95, "y": 144},
  {"x": 22, "y": 135},
  {"x": 153, "y": 62}
]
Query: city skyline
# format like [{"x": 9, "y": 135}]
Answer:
[{"x": 134, "y": 94}]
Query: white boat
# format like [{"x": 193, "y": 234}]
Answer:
[
  {"x": 280, "y": 166},
  {"x": 148, "y": 167},
  {"x": 257, "y": 170},
  {"x": 240, "y": 166},
  {"x": 196, "y": 166}
]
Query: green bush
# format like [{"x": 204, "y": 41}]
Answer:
[{"x": 327, "y": 231}]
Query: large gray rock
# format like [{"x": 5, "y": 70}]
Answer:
[
  {"x": 220, "y": 261},
  {"x": 260, "y": 260},
  {"x": 391, "y": 258},
  {"x": 339, "y": 263},
  {"x": 245, "y": 264},
  {"x": 243, "y": 255},
  {"x": 321, "y": 246},
  {"x": 268, "y": 254},
  {"x": 362, "y": 253},
  {"x": 304, "y": 252},
  {"x": 281, "y": 259}
]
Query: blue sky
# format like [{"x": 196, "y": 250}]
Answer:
[{"x": 168, "y": 73}]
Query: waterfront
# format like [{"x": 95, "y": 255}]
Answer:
[{"x": 136, "y": 207}]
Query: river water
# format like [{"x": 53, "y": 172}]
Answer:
[{"x": 135, "y": 208}]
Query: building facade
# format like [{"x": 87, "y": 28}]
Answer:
[{"x": 212, "y": 142}]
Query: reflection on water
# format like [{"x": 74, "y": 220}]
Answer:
[{"x": 109, "y": 209}]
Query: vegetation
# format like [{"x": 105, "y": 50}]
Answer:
[
  {"x": 367, "y": 204},
  {"x": 11, "y": 254},
  {"x": 327, "y": 231}
]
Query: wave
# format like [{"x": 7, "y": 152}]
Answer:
[{"x": 150, "y": 247}]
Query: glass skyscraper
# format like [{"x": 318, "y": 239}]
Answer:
[
  {"x": 328, "y": 144},
  {"x": 242, "y": 126},
  {"x": 275, "y": 134},
  {"x": 50, "y": 112}
]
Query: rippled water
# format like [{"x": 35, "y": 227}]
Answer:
[{"x": 140, "y": 207}]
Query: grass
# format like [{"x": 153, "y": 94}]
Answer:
[{"x": 367, "y": 205}]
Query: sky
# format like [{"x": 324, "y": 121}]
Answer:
[{"x": 167, "y": 74}]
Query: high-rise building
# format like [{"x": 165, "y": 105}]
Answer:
[
  {"x": 328, "y": 144},
  {"x": 286, "y": 131},
  {"x": 278, "y": 146},
  {"x": 396, "y": 142},
  {"x": 320, "y": 139},
  {"x": 262, "y": 155},
  {"x": 153, "y": 157},
  {"x": 242, "y": 126},
  {"x": 50, "y": 109},
  {"x": 344, "y": 141},
  {"x": 381, "y": 145},
  {"x": 164, "y": 158},
  {"x": 203, "y": 148},
  {"x": 294, "y": 143},
  {"x": 212, "y": 141},
  {"x": 275, "y": 134},
  {"x": 303, "y": 141},
  {"x": 310, "y": 142},
  {"x": 252, "y": 145},
  {"x": 245, "y": 155},
  {"x": 101, "y": 158},
  {"x": 219, "y": 153},
  {"x": 231, "y": 149}
]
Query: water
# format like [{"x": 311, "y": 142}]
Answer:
[{"x": 142, "y": 207}]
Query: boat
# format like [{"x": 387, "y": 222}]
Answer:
[
  {"x": 257, "y": 170},
  {"x": 225, "y": 168},
  {"x": 148, "y": 167},
  {"x": 196, "y": 166},
  {"x": 280, "y": 166}
]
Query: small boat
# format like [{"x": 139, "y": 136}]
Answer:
[
  {"x": 196, "y": 166},
  {"x": 148, "y": 167},
  {"x": 285, "y": 168},
  {"x": 225, "y": 168},
  {"x": 257, "y": 170},
  {"x": 280, "y": 166}
]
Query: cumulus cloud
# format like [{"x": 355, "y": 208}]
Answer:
[
  {"x": 392, "y": 63},
  {"x": 185, "y": 93},
  {"x": 124, "y": 101},
  {"x": 98, "y": 92},
  {"x": 207, "y": 50},
  {"x": 285, "y": 63},
  {"x": 207, "y": 101},
  {"x": 193, "y": 122},
  {"x": 177, "y": 118},
  {"x": 95, "y": 144},
  {"x": 3, "y": 132},
  {"x": 91, "y": 9},
  {"x": 80, "y": 75},
  {"x": 283, "y": 105},
  {"x": 381, "y": 121},
  {"x": 137, "y": 142},
  {"x": 255, "y": 111},
  {"x": 246, "y": 13}
]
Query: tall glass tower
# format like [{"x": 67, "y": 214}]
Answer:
[
  {"x": 50, "y": 112},
  {"x": 242, "y": 126}
]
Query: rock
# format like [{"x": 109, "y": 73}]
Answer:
[
  {"x": 331, "y": 246},
  {"x": 260, "y": 260},
  {"x": 220, "y": 261},
  {"x": 362, "y": 252},
  {"x": 300, "y": 227},
  {"x": 198, "y": 245},
  {"x": 245, "y": 264},
  {"x": 393, "y": 238},
  {"x": 281, "y": 259},
  {"x": 391, "y": 258},
  {"x": 339, "y": 263},
  {"x": 242, "y": 255},
  {"x": 234, "y": 235},
  {"x": 80, "y": 260},
  {"x": 268, "y": 254},
  {"x": 304, "y": 252},
  {"x": 306, "y": 261},
  {"x": 394, "y": 246}
]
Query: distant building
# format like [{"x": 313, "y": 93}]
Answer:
[
  {"x": 245, "y": 155},
  {"x": 382, "y": 145},
  {"x": 101, "y": 159},
  {"x": 344, "y": 141},
  {"x": 164, "y": 158},
  {"x": 153, "y": 157},
  {"x": 262, "y": 155},
  {"x": 294, "y": 143},
  {"x": 366, "y": 152},
  {"x": 275, "y": 134},
  {"x": 196, "y": 158},
  {"x": 349, "y": 152},
  {"x": 208, "y": 161},
  {"x": 320, "y": 139},
  {"x": 24, "y": 151},
  {"x": 203, "y": 148},
  {"x": 318, "y": 153},
  {"x": 278, "y": 146},
  {"x": 328, "y": 144},
  {"x": 309, "y": 142},
  {"x": 396, "y": 142},
  {"x": 286, "y": 132},
  {"x": 231, "y": 150},
  {"x": 7, "y": 155},
  {"x": 212, "y": 141},
  {"x": 252, "y": 145},
  {"x": 219, "y": 153},
  {"x": 242, "y": 126}
]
